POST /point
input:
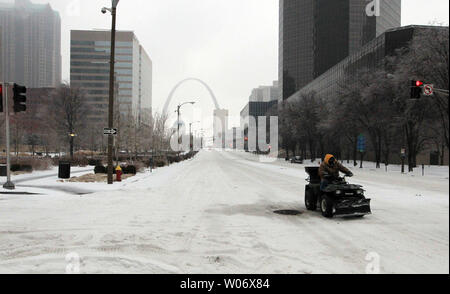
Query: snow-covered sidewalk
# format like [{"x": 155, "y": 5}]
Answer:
[
  {"x": 48, "y": 183},
  {"x": 214, "y": 214}
]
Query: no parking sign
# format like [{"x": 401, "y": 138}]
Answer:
[{"x": 428, "y": 90}]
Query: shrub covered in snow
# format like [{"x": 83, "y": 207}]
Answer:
[
  {"x": 100, "y": 169},
  {"x": 28, "y": 164}
]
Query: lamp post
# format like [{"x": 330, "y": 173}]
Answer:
[
  {"x": 178, "y": 122},
  {"x": 72, "y": 136},
  {"x": 202, "y": 133},
  {"x": 113, "y": 10},
  {"x": 191, "y": 138}
]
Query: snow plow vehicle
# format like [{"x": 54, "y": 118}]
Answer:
[{"x": 338, "y": 199}]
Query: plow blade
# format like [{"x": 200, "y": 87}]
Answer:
[{"x": 357, "y": 207}]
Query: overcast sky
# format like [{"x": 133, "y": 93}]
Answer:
[{"x": 230, "y": 44}]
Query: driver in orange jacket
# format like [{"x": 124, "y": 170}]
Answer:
[{"x": 329, "y": 171}]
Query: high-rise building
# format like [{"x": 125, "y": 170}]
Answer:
[
  {"x": 89, "y": 70},
  {"x": 251, "y": 116},
  {"x": 220, "y": 126},
  {"x": 317, "y": 34},
  {"x": 369, "y": 57},
  {"x": 265, "y": 93},
  {"x": 31, "y": 38}
]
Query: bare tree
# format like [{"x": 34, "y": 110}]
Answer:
[
  {"x": 17, "y": 132},
  {"x": 376, "y": 102},
  {"x": 160, "y": 133},
  {"x": 370, "y": 105},
  {"x": 301, "y": 123},
  {"x": 68, "y": 112},
  {"x": 428, "y": 59},
  {"x": 286, "y": 130},
  {"x": 345, "y": 118}
]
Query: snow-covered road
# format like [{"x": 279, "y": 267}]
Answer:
[{"x": 214, "y": 214}]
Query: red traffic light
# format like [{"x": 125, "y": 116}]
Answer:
[{"x": 416, "y": 89}]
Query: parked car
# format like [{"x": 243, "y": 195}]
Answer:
[{"x": 297, "y": 159}]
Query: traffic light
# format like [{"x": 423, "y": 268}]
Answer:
[
  {"x": 1, "y": 98},
  {"x": 416, "y": 89},
  {"x": 19, "y": 98}
]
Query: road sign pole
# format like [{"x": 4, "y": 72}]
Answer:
[
  {"x": 9, "y": 185},
  {"x": 361, "y": 147},
  {"x": 403, "y": 156}
]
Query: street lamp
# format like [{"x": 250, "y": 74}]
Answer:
[
  {"x": 178, "y": 121},
  {"x": 191, "y": 143},
  {"x": 72, "y": 138},
  {"x": 202, "y": 133},
  {"x": 113, "y": 9}
]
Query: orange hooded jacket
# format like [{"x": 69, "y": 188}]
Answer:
[{"x": 334, "y": 170}]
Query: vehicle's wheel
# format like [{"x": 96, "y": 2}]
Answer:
[
  {"x": 310, "y": 200},
  {"x": 326, "y": 206}
]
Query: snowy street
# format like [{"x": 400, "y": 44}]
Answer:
[{"x": 215, "y": 214}]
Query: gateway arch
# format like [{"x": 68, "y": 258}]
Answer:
[{"x": 169, "y": 99}]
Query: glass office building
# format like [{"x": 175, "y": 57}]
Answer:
[
  {"x": 89, "y": 70},
  {"x": 220, "y": 126},
  {"x": 369, "y": 57},
  {"x": 390, "y": 15},
  {"x": 250, "y": 115},
  {"x": 31, "y": 44},
  {"x": 317, "y": 34},
  {"x": 265, "y": 93}
]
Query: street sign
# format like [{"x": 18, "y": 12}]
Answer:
[
  {"x": 361, "y": 144},
  {"x": 428, "y": 90},
  {"x": 107, "y": 131}
]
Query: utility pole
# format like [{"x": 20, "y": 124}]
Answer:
[
  {"x": 9, "y": 185},
  {"x": 113, "y": 11}
]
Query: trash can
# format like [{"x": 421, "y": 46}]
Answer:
[
  {"x": 64, "y": 170},
  {"x": 3, "y": 171}
]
